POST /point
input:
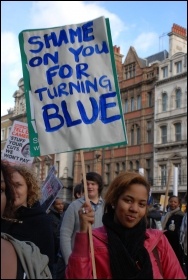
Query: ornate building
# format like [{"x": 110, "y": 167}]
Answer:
[
  {"x": 137, "y": 78},
  {"x": 140, "y": 81},
  {"x": 170, "y": 120}
]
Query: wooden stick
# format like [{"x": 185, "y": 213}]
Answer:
[
  {"x": 90, "y": 228},
  {"x": 167, "y": 188}
]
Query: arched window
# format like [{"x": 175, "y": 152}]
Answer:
[
  {"x": 138, "y": 102},
  {"x": 88, "y": 168},
  {"x": 177, "y": 132},
  {"x": 138, "y": 135},
  {"x": 126, "y": 105},
  {"x": 163, "y": 134},
  {"x": 132, "y": 135},
  {"x": 131, "y": 165},
  {"x": 164, "y": 101},
  {"x": 137, "y": 165},
  {"x": 123, "y": 165},
  {"x": 178, "y": 98},
  {"x": 117, "y": 169},
  {"x": 132, "y": 104}
]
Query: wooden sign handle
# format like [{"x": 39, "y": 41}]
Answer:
[{"x": 90, "y": 228}]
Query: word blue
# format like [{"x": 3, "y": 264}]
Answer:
[{"x": 98, "y": 111}]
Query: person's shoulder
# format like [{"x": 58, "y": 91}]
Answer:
[
  {"x": 180, "y": 213},
  {"x": 154, "y": 233},
  {"x": 76, "y": 203}
]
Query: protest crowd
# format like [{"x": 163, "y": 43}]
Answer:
[
  {"x": 115, "y": 234},
  {"x": 126, "y": 243}
]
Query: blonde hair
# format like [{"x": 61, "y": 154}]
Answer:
[{"x": 32, "y": 182}]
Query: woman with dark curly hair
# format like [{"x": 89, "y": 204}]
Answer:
[{"x": 25, "y": 219}]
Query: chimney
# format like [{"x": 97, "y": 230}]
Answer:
[
  {"x": 177, "y": 44},
  {"x": 116, "y": 49},
  {"x": 179, "y": 30}
]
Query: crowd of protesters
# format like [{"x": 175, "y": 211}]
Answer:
[{"x": 115, "y": 236}]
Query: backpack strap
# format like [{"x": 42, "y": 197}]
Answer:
[{"x": 156, "y": 254}]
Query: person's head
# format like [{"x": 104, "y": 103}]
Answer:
[
  {"x": 78, "y": 191},
  {"x": 173, "y": 202},
  {"x": 94, "y": 184},
  {"x": 7, "y": 191},
  {"x": 26, "y": 150},
  {"x": 58, "y": 205},
  {"x": 127, "y": 198},
  {"x": 26, "y": 186}
]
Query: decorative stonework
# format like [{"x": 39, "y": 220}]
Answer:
[{"x": 20, "y": 105}]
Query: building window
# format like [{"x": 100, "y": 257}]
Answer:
[
  {"x": 149, "y": 132},
  {"x": 88, "y": 168},
  {"x": 138, "y": 102},
  {"x": 137, "y": 165},
  {"x": 178, "y": 98},
  {"x": 132, "y": 135},
  {"x": 148, "y": 170},
  {"x": 163, "y": 175},
  {"x": 132, "y": 104},
  {"x": 178, "y": 165},
  {"x": 130, "y": 71},
  {"x": 126, "y": 105},
  {"x": 117, "y": 169},
  {"x": 3, "y": 135},
  {"x": 165, "y": 71},
  {"x": 138, "y": 135},
  {"x": 8, "y": 131},
  {"x": 164, "y": 134},
  {"x": 148, "y": 163},
  {"x": 107, "y": 173},
  {"x": 131, "y": 165},
  {"x": 123, "y": 165},
  {"x": 126, "y": 73},
  {"x": 57, "y": 168},
  {"x": 179, "y": 67},
  {"x": 148, "y": 176},
  {"x": 149, "y": 99},
  {"x": 164, "y": 101},
  {"x": 47, "y": 168},
  {"x": 37, "y": 169},
  {"x": 177, "y": 132}
]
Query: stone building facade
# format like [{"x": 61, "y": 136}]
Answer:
[{"x": 170, "y": 119}]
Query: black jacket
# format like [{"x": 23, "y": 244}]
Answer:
[
  {"x": 56, "y": 219},
  {"x": 174, "y": 236},
  {"x": 33, "y": 224}
]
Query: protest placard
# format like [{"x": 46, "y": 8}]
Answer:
[
  {"x": 72, "y": 94},
  {"x": 17, "y": 147},
  {"x": 51, "y": 186}
]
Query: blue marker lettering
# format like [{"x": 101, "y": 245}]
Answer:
[
  {"x": 32, "y": 41},
  {"x": 52, "y": 116},
  {"x": 95, "y": 110},
  {"x": 104, "y": 106}
]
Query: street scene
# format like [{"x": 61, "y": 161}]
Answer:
[{"x": 94, "y": 140}]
